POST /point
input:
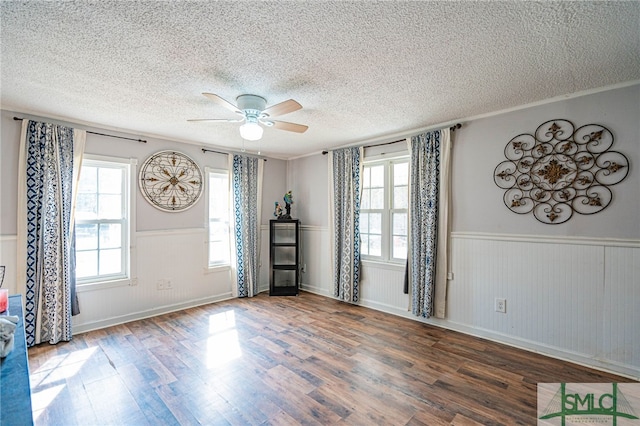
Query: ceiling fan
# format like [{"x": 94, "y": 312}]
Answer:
[{"x": 254, "y": 112}]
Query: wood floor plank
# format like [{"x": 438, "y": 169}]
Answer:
[
  {"x": 460, "y": 420},
  {"x": 177, "y": 404},
  {"x": 150, "y": 404},
  {"x": 112, "y": 402},
  {"x": 288, "y": 361}
]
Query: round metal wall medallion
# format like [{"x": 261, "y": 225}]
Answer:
[
  {"x": 170, "y": 181},
  {"x": 560, "y": 170}
]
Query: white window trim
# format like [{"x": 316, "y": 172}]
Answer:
[
  {"x": 208, "y": 268},
  {"x": 131, "y": 266},
  {"x": 391, "y": 210},
  {"x": 387, "y": 212}
]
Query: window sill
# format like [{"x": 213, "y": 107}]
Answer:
[
  {"x": 379, "y": 264},
  {"x": 100, "y": 285},
  {"x": 214, "y": 269}
]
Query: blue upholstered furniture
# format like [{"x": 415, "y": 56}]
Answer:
[{"x": 15, "y": 392}]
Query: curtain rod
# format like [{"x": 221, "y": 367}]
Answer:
[
  {"x": 96, "y": 133},
  {"x": 205, "y": 150},
  {"x": 452, "y": 128}
]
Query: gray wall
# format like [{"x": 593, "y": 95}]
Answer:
[
  {"x": 308, "y": 178},
  {"x": 571, "y": 290},
  {"x": 273, "y": 188},
  {"x": 148, "y": 217},
  {"x": 479, "y": 147},
  {"x": 9, "y": 148}
]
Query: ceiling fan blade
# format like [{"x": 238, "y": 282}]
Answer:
[
  {"x": 290, "y": 127},
  {"x": 219, "y": 120},
  {"x": 222, "y": 102},
  {"x": 282, "y": 108}
]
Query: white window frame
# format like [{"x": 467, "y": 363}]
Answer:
[
  {"x": 387, "y": 210},
  {"x": 128, "y": 276},
  {"x": 210, "y": 266}
]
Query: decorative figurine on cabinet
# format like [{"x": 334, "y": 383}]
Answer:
[
  {"x": 288, "y": 199},
  {"x": 278, "y": 210}
]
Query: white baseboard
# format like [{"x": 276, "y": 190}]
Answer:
[
  {"x": 528, "y": 345},
  {"x": 576, "y": 358},
  {"x": 108, "y": 322},
  {"x": 315, "y": 290},
  {"x": 550, "y": 351}
]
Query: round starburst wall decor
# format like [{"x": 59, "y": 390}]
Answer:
[
  {"x": 170, "y": 181},
  {"x": 560, "y": 170}
]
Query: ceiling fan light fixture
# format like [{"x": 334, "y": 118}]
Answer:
[
  {"x": 251, "y": 131},
  {"x": 255, "y": 114}
]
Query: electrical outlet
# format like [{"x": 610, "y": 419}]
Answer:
[
  {"x": 168, "y": 284},
  {"x": 160, "y": 284},
  {"x": 450, "y": 276},
  {"x": 304, "y": 269},
  {"x": 501, "y": 305},
  {"x": 134, "y": 282}
]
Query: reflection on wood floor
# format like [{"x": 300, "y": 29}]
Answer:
[{"x": 288, "y": 360}]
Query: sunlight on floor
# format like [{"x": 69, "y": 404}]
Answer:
[
  {"x": 41, "y": 400},
  {"x": 223, "y": 345},
  {"x": 50, "y": 378},
  {"x": 60, "y": 367}
]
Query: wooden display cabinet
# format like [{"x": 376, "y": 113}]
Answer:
[{"x": 284, "y": 257}]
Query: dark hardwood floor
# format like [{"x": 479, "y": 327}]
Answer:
[{"x": 288, "y": 360}]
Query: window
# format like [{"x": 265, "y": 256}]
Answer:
[
  {"x": 219, "y": 249},
  {"x": 383, "y": 210},
  {"x": 102, "y": 222}
]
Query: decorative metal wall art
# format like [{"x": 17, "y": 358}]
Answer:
[
  {"x": 170, "y": 181},
  {"x": 560, "y": 170}
]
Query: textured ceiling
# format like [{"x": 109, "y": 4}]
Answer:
[{"x": 361, "y": 70}]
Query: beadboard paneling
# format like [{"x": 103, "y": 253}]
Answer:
[
  {"x": 314, "y": 257},
  {"x": 620, "y": 339},
  {"x": 263, "y": 271},
  {"x": 176, "y": 256},
  {"x": 548, "y": 288},
  {"x": 575, "y": 299},
  {"x": 9, "y": 260},
  {"x": 571, "y": 298},
  {"x": 381, "y": 287}
]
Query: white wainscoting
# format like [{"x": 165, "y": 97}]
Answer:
[
  {"x": 8, "y": 259},
  {"x": 314, "y": 257},
  {"x": 177, "y": 256},
  {"x": 570, "y": 298},
  {"x": 621, "y": 344},
  {"x": 263, "y": 272}
]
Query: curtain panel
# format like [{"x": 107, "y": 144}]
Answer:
[
  {"x": 246, "y": 193},
  {"x": 49, "y": 167},
  {"x": 345, "y": 188},
  {"x": 429, "y": 189}
]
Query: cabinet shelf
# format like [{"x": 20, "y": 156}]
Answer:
[{"x": 284, "y": 257}]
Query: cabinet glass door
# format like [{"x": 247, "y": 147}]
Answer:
[
  {"x": 284, "y": 278},
  {"x": 284, "y": 255},
  {"x": 284, "y": 233}
]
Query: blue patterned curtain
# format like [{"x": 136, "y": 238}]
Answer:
[
  {"x": 49, "y": 164},
  {"x": 346, "y": 187},
  {"x": 246, "y": 188},
  {"x": 428, "y": 222}
]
